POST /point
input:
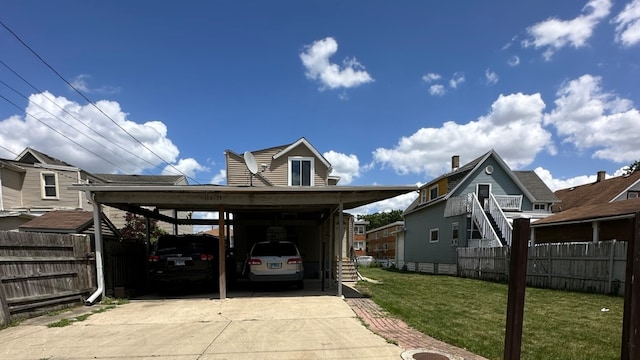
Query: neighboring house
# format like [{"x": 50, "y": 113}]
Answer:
[
  {"x": 471, "y": 206},
  {"x": 383, "y": 241},
  {"x": 360, "y": 237},
  {"x": 34, "y": 184},
  {"x": 593, "y": 212},
  {"x": 297, "y": 164}
]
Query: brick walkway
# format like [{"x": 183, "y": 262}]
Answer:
[{"x": 383, "y": 324}]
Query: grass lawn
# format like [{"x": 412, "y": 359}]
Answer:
[{"x": 471, "y": 314}]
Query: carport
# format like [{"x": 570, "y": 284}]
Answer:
[{"x": 312, "y": 216}]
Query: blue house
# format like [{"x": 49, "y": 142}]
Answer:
[{"x": 472, "y": 206}]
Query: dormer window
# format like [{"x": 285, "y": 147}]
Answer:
[
  {"x": 423, "y": 196},
  {"x": 301, "y": 171},
  {"x": 539, "y": 206},
  {"x": 433, "y": 192}
]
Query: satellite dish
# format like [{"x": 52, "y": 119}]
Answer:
[{"x": 250, "y": 161}]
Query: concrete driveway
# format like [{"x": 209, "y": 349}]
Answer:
[{"x": 282, "y": 324}]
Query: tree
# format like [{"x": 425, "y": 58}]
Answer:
[
  {"x": 381, "y": 219},
  {"x": 136, "y": 228},
  {"x": 632, "y": 167}
]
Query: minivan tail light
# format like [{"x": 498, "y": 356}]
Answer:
[
  {"x": 294, "y": 261},
  {"x": 154, "y": 258},
  {"x": 254, "y": 261}
]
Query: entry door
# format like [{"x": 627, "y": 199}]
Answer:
[{"x": 483, "y": 191}]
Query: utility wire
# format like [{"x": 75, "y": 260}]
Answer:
[
  {"x": 68, "y": 113},
  {"x": 87, "y": 99}
]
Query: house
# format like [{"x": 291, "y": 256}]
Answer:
[
  {"x": 360, "y": 237},
  {"x": 296, "y": 164},
  {"x": 382, "y": 241},
  {"x": 471, "y": 206},
  {"x": 593, "y": 212},
  {"x": 34, "y": 184}
]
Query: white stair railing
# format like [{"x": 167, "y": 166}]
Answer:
[
  {"x": 498, "y": 215},
  {"x": 489, "y": 238}
]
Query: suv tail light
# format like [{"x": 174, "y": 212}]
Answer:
[
  {"x": 294, "y": 261},
  {"x": 205, "y": 257},
  {"x": 154, "y": 258},
  {"x": 254, "y": 261}
]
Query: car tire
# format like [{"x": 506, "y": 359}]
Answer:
[{"x": 300, "y": 285}]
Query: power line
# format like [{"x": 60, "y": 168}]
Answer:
[
  {"x": 68, "y": 113},
  {"x": 88, "y": 100}
]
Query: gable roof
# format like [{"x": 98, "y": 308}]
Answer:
[
  {"x": 67, "y": 222},
  {"x": 305, "y": 142},
  {"x": 528, "y": 181},
  {"x": 608, "y": 211},
  {"x": 32, "y": 156},
  {"x": 599, "y": 192}
]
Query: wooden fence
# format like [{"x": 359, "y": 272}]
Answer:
[
  {"x": 42, "y": 272},
  {"x": 588, "y": 267}
]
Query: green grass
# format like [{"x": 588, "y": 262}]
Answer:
[
  {"x": 471, "y": 314},
  {"x": 107, "y": 304}
]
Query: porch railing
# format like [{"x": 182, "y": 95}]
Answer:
[
  {"x": 508, "y": 202},
  {"x": 495, "y": 209},
  {"x": 488, "y": 236}
]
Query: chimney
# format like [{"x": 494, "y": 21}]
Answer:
[
  {"x": 601, "y": 176},
  {"x": 455, "y": 162}
]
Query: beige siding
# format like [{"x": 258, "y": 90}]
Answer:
[
  {"x": 11, "y": 188},
  {"x": 276, "y": 172},
  {"x": 32, "y": 190}
]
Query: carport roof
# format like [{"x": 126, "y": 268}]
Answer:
[{"x": 211, "y": 197}]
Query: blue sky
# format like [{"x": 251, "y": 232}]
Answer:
[{"x": 387, "y": 91}]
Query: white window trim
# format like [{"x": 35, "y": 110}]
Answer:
[
  {"x": 42, "y": 185},
  {"x": 430, "y": 235},
  {"x": 423, "y": 196},
  {"x": 544, "y": 206},
  {"x": 312, "y": 170}
]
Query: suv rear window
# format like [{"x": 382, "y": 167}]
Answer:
[
  {"x": 274, "y": 249},
  {"x": 170, "y": 244}
]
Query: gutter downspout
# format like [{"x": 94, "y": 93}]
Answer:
[{"x": 97, "y": 228}]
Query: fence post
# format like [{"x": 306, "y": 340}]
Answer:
[
  {"x": 517, "y": 285},
  {"x": 630, "y": 321},
  {"x": 5, "y": 316}
]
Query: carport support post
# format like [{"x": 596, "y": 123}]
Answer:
[
  {"x": 340, "y": 238},
  {"x": 630, "y": 322},
  {"x": 222, "y": 254},
  {"x": 517, "y": 285}
]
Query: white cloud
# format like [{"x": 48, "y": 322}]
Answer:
[
  {"x": 315, "y": 59},
  {"x": 457, "y": 79},
  {"x": 513, "y": 61},
  {"x": 347, "y": 167},
  {"x": 554, "y": 34},
  {"x": 628, "y": 24},
  {"x": 590, "y": 118},
  {"x": 431, "y": 77},
  {"x": 513, "y": 128},
  {"x": 80, "y": 83},
  {"x": 437, "y": 90},
  {"x": 220, "y": 178},
  {"x": 558, "y": 184},
  {"x": 128, "y": 156},
  {"x": 400, "y": 202},
  {"x": 187, "y": 167},
  {"x": 492, "y": 78}
]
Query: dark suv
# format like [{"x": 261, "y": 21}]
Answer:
[{"x": 187, "y": 259}]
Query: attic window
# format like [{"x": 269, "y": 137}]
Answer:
[
  {"x": 301, "y": 171},
  {"x": 433, "y": 192},
  {"x": 49, "y": 185}
]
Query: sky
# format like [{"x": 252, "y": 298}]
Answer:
[{"x": 387, "y": 91}]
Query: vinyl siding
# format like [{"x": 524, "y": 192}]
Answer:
[
  {"x": 32, "y": 191},
  {"x": 418, "y": 248},
  {"x": 11, "y": 188}
]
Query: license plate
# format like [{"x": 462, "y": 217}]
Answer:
[
  {"x": 274, "y": 265},
  {"x": 179, "y": 263}
]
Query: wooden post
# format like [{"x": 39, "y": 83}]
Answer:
[
  {"x": 517, "y": 286},
  {"x": 5, "y": 316},
  {"x": 222, "y": 254},
  {"x": 630, "y": 349}
]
